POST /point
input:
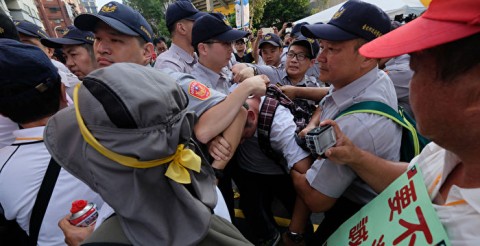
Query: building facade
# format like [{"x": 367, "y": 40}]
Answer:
[
  {"x": 24, "y": 10},
  {"x": 90, "y": 6}
]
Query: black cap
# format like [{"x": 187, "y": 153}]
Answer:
[
  {"x": 355, "y": 19},
  {"x": 25, "y": 64},
  {"x": 311, "y": 44},
  {"x": 270, "y": 38},
  {"x": 180, "y": 10},
  {"x": 214, "y": 26},
  {"x": 119, "y": 17},
  {"x": 72, "y": 36},
  {"x": 296, "y": 29},
  {"x": 30, "y": 29},
  {"x": 7, "y": 28}
]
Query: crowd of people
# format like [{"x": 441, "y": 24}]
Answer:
[{"x": 156, "y": 135}]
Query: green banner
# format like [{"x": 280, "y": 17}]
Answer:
[{"x": 401, "y": 215}]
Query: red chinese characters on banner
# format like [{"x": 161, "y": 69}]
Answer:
[
  {"x": 379, "y": 242},
  {"x": 358, "y": 233},
  {"x": 412, "y": 228},
  {"x": 403, "y": 197}
]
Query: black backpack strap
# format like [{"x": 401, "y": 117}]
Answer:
[{"x": 43, "y": 198}]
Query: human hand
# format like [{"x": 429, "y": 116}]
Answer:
[
  {"x": 74, "y": 235},
  {"x": 260, "y": 33},
  {"x": 243, "y": 74},
  {"x": 237, "y": 68},
  {"x": 257, "y": 84},
  {"x": 219, "y": 148},
  {"x": 275, "y": 30},
  {"x": 344, "y": 151},
  {"x": 289, "y": 91}
]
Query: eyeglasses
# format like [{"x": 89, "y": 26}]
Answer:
[{"x": 300, "y": 56}]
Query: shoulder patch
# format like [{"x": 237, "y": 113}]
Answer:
[{"x": 198, "y": 90}]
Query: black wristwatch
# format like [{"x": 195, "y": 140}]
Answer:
[
  {"x": 255, "y": 71},
  {"x": 295, "y": 237}
]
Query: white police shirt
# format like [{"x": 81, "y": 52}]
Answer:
[{"x": 23, "y": 166}]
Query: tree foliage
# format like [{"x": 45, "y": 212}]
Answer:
[
  {"x": 276, "y": 12},
  {"x": 154, "y": 13},
  {"x": 257, "y": 8}
]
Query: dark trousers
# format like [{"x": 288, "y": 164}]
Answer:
[
  {"x": 334, "y": 218},
  {"x": 257, "y": 192}
]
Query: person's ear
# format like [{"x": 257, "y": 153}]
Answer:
[
  {"x": 368, "y": 62},
  {"x": 148, "y": 50},
  {"x": 63, "y": 96},
  {"x": 181, "y": 28},
  {"x": 50, "y": 52},
  {"x": 251, "y": 116},
  {"x": 202, "y": 49}
]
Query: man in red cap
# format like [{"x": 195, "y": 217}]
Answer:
[{"x": 445, "y": 98}]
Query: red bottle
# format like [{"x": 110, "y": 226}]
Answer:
[{"x": 84, "y": 213}]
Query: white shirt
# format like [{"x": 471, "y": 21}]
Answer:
[
  {"x": 23, "y": 166},
  {"x": 460, "y": 214}
]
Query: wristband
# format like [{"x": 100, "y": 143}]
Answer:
[{"x": 255, "y": 71}]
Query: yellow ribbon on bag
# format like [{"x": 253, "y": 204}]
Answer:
[{"x": 179, "y": 162}]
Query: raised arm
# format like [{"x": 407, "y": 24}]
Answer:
[
  {"x": 255, "y": 51},
  {"x": 216, "y": 119},
  {"x": 311, "y": 93}
]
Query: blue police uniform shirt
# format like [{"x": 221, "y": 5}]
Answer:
[
  {"x": 176, "y": 59},
  {"x": 200, "y": 97},
  {"x": 371, "y": 132},
  {"x": 213, "y": 80}
]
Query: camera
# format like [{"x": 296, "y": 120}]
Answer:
[
  {"x": 289, "y": 24},
  {"x": 320, "y": 139}
]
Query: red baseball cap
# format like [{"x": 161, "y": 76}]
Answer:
[{"x": 444, "y": 21}]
